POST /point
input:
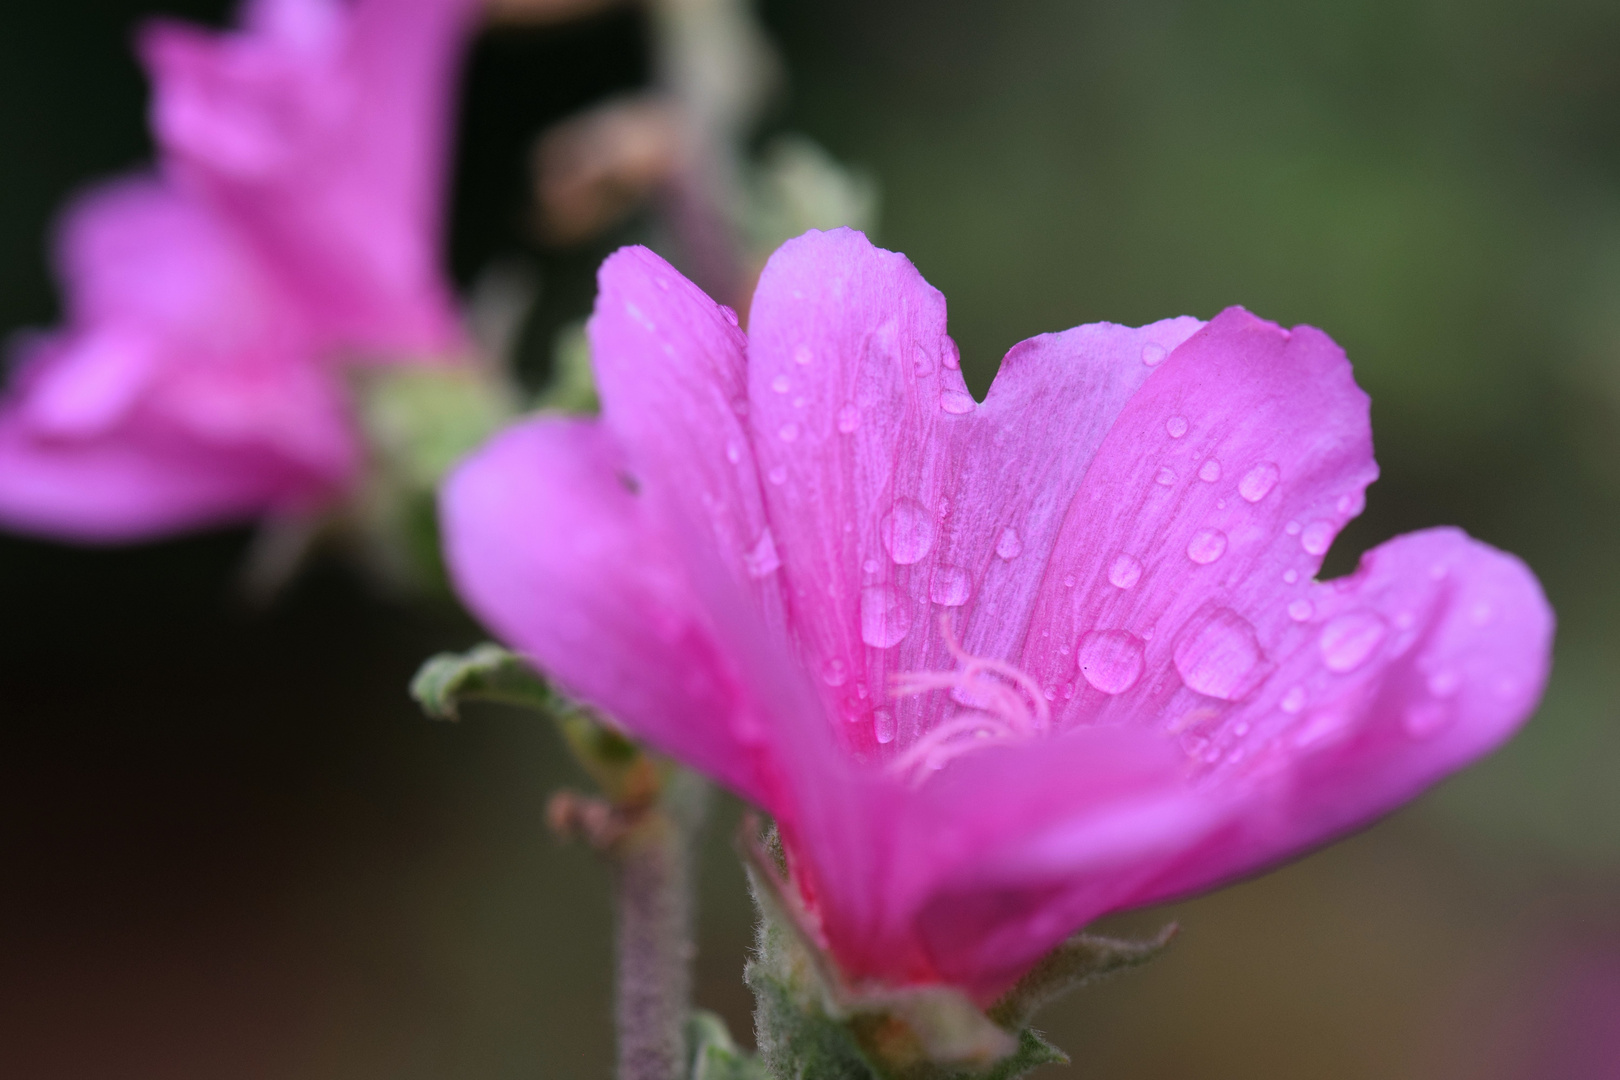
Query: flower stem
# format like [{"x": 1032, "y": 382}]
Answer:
[{"x": 652, "y": 865}]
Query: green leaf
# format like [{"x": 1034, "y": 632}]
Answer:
[
  {"x": 1083, "y": 959},
  {"x": 714, "y": 1055},
  {"x": 486, "y": 672}
]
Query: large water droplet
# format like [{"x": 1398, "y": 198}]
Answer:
[
  {"x": 1009, "y": 546},
  {"x": 849, "y": 418},
  {"x": 1125, "y": 572},
  {"x": 1258, "y": 481},
  {"x": 1219, "y": 656},
  {"x": 761, "y": 559},
  {"x": 907, "y": 531},
  {"x": 1166, "y": 477},
  {"x": 781, "y": 384},
  {"x": 883, "y": 726},
  {"x": 803, "y": 355},
  {"x": 1317, "y": 537},
  {"x": 1348, "y": 640},
  {"x": 730, "y": 314},
  {"x": 1153, "y": 354},
  {"x": 1300, "y": 610},
  {"x": 950, "y": 586},
  {"x": 788, "y": 432},
  {"x": 1206, "y": 546},
  {"x": 1209, "y": 471},
  {"x": 1111, "y": 660},
  {"x": 956, "y": 402},
  {"x": 1176, "y": 426},
  {"x": 885, "y": 616},
  {"x": 948, "y": 352},
  {"x": 835, "y": 672}
]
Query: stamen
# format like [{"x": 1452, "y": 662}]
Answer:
[{"x": 1001, "y": 712}]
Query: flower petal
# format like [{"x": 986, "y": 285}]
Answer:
[
  {"x": 1425, "y": 659},
  {"x": 1214, "y": 496},
  {"x": 549, "y": 547},
  {"x": 319, "y": 130},
  {"x": 895, "y": 497}
]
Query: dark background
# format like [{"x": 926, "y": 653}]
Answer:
[{"x": 231, "y": 847}]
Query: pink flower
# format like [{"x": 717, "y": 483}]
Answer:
[
  {"x": 997, "y": 669},
  {"x": 210, "y": 310}
]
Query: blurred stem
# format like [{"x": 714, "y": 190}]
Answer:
[{"x": 653, "y": 886}]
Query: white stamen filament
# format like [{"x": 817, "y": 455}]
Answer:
[{"x": 991, "y": 688}]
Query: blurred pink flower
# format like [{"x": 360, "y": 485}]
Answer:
[
  {"x": 997, "y": 669},
  {"x": 295, "y": 227}
]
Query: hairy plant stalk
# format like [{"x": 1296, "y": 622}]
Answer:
[{"x": 653, "y": 885}]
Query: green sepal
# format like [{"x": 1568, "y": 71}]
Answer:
[
  {"x": 485, "y": 672},
  {"x": 1079, "y": 961},
  {"x": 813, "y": 1026},
  {"x": 714, "y": 1055},
  {"x": 629, "y": 777}
]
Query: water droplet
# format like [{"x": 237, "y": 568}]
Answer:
[
  {"x": 907, "y": 531},
  {"x": 1424, "y": 718},
  {"x": 848, "y": 419},
  {"x": 781, "y": 384},
  {"x": 730, "y": 314},
  {"x": 1153, "y": 354},
  {"x": 1352, "y": 504},
  {"x": 950, "y": 586},
  {"x": 1348, "y": 640},
  {"x": 834, "y": 672},
  {"x": 788, "y": 432},
  {"x": 1480, "y": 613},
  {"x": 1206, "y": 546},
  {"x": 762, "y": 559},
  {"x": 1241, "y": 728},
  {"x": 1126, "y": 571},
  {"x": 1444, "y": 683},
  {"x": 1111, "y": 660},
  {"x": 870, "y": 566},
  {"x": 1166, "y": 477},
  {"x": 1300, "y": 610},
  {"x": 799, "y": 402},
  {"x": 1290, "y": 576},
  {"x": 1176, "y": 426},
  {"x": 948, "y": 352},
  {"x": 1209, "y": 471},
  {"x": 883, "y": 726},
  {"x": 1319, "y": 728},
  {"x": 639, "y": 316},
  {"x": 956, "y": 402},
  {"x": 1219, "y": 655},
  {"x": 922, "y": 364},
  {"x": 1293, "y": 701},
  {"x": 1258, "y": 481},
  {"x": 885, "y": 616},
  {"x": 803, "y": 355},
  {"x": 1317, "y": 537},
  {"x": 1069, "y": 581},
  {"x": 778, "y": 475},
  {"x": 1009, "y": 546},
  {"x": 733, "y": 453},
  {"x": 1292, "y": 528},
  {"x": 663, "y": 283}
]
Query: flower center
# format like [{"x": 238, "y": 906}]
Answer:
[{"x": 1001, "y": 704}]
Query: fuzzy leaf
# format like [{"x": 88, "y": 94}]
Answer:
[{"x": 1083, "y": 959}]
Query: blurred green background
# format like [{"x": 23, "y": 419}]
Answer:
[{"x": 230, "y": 847}]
